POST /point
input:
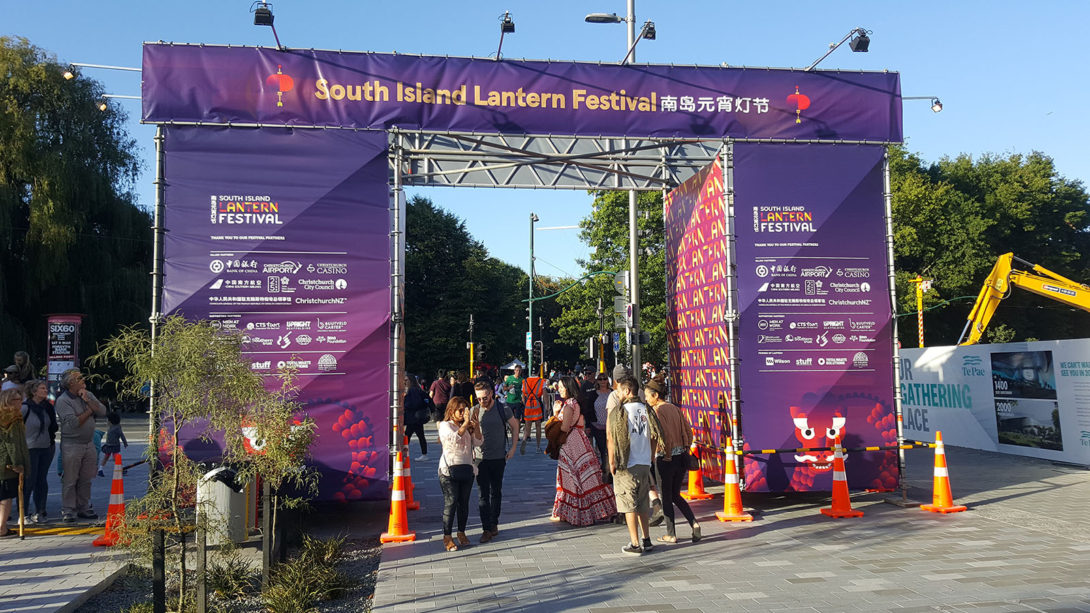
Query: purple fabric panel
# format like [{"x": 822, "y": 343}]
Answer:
[
  {"x": 186, "y": 83},
  {"x": 283, "y": 234},
  {"x": 815, "y": 342}
]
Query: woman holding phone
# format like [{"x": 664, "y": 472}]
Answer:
[{"x": 459, "y": 433}]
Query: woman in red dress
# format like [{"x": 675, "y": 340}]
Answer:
[{"x": 581, "y": 496}]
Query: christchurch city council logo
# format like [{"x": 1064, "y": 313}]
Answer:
[
  {"x": 282, "y": 83},
  {"x": 801, "y": 102}
]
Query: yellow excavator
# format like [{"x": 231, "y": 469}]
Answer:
[{"x": 1037, "y": 279}]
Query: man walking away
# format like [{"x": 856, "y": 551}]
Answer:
[
  {"x": 632, "y": 432},
  {"x": 440, "y": 394},
  {"x": 496, "y": 422}
]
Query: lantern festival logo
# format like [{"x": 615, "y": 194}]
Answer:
[
  {"x": 281, "y": 83},
  {"x": 801, "y": 102}
]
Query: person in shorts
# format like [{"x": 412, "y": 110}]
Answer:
[{"x": 632, "y": 432}]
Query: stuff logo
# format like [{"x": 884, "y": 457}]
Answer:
[{"x": 281, "y": 83}]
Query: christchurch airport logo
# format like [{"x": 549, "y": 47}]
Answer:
[
  {"x": 801, "y": 102},
  {"x": 282, "y": 83}
]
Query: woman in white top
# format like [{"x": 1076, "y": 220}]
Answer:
[{"x": 459, "y": 433}]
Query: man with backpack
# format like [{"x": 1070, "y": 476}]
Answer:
[{"x": 496, "y": 421}]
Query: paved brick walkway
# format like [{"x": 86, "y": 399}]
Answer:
[
  {"x": 1023, "y": 546},
  {"x": 49, "y": 572}
]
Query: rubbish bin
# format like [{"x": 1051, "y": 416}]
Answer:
[{"x": 221, "y": 499}]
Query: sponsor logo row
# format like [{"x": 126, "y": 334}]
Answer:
[
  {"x": 326, "y": 363},
  {"x": 773, "y": 323},
  {"x": 818, "y": 272},
  {"x": 857, "y": 360},
  {"x": 286, "y": 267}
]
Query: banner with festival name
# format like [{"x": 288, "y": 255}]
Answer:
[
  {"x": 246, "y": 85},
  {"x": 696, "y": 302},
  {"x": 282, "y": 235},
  {"x": 815, "y": 344}
]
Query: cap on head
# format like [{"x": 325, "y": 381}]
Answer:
[{"x": 621, "y": 370}]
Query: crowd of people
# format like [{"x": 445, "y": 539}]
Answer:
[
  {"x": 30, "y": 423},
  {"x": 622, "y": 449}
]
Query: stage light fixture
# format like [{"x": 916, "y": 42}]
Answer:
[
  {"x": 649, "y": 30},
  {"x": 507, "y": 25},
  {"x": 936, "y": 105},
  {"x": 263, "y": 15},
  {"x": 861, "y": 43}
]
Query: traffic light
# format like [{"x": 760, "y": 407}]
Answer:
[{"x": 592, "y": 348}]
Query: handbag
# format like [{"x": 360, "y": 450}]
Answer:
[{"x": 694, "y": 462}]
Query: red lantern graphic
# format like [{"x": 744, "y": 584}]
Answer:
[
  {"x": 801, "y": 102},
  {"x": 282, "y": 83}
]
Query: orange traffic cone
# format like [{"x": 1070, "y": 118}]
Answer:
[
  {"x": 842, "y": 504},
  {"x": 410, "y": 504},
  {"x": 942, "y": 501},
  {"x": 732, "y": 493},
  {"x": 696, "y": 479},
  {"x": 398, "y": 531},
  {"x": 115, "y": 513}
]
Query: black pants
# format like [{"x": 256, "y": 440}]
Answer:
[
  {"x": 455, "y": 500},
  {"x": 490, "y": 480},
  {"x": 418, "y": 430},
  {"x": 599, "y": 437},
  {"x": 671, "y": 475}
]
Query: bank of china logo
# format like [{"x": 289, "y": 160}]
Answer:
[
  {"x": 282, "y": 82},
  {"x": 216, "y": 266},
  {"x": 762, "y": 271},
  {"x": 800, "y": 101}
]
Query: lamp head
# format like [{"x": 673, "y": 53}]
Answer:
[
  {"x": 534, "y": 217},
  {"x": 649, "y": 30},
  {"x": 936, "y": 105},
  {"x": 603, "y": 18},
  {"x": 68, "y": 74},
  {"x": 861, "y": 43},
  {"x": 507, "y": 25},
  {"x": 263, "y": 15},
  {"x": 102, "y": 106}
]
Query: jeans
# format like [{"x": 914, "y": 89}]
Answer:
[
  {"x": 490, "y": 480},
  {"x": 78, "y": 460},
  {"x": 455, "y": 500},
  {"x": 37, "y": 487},
  {"x": 599, "y": 436},
  {"x": 671, "y": 475},
  {"x": 417, "y": 429}
]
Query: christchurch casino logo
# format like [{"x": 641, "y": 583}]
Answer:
[
  {"x": 282, "y": 83},
  {"x": 801, "y": 102}
]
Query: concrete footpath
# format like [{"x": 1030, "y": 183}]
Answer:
[
  {"x": 55, "y": 568},
  {"x": 1024, "y": 545}
]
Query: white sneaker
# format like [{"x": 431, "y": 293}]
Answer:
[{"x": 421, "y": 458}]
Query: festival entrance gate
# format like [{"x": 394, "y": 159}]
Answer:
[{"x": 280, "y": 178}]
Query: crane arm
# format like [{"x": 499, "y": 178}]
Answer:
[{"x": 1040, "y": 281}]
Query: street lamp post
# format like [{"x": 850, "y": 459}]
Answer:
[
  {"x": 633, "y": 239},
  {"x": 530, "y": 304}
]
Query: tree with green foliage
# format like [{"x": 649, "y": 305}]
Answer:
[
  {"x": 605, "y": 230},
  {"x": 201, "y": 382},
  {"x": 449, "y": 276},
  {"x": 952, "y": 219},
  {"x": 71, "y": 237}
]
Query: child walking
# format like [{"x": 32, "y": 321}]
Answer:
[{"x": 114, "y": 438}]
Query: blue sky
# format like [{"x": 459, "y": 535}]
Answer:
[{"x": 1011, "y": 75}]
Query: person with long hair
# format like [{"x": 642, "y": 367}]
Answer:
[
  {"x": 14, "y": 456},
  {"x": 581, "y": 496},
  {"x": 672, "y": 458},
  {"x": 416, "y": 414},
  {"x": 459, "y": 433},
  {"x": 41, "y": 429}
]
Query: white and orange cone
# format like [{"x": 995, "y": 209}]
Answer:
[
  {"x": 406, "y": 471},
  {"x": 115, "y": 513},
  {"x": 842, "y": 503},
  {"x": 398, "y": 530},
  {"x": 696, "y": 479},
  {"x": 942, "y": 501},
  {"x": 732, "y": 492}
]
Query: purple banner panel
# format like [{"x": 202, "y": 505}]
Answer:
[
  {"x": 696, "y": 298},
  {"x": 197, "y": 83},
  {"x": 815, "y": 341},
  {"x": 283, "y": 235}
]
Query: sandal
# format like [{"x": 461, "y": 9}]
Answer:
[
  {"x": 667, "y": 538},
  {"x": 449, "y": 543}
]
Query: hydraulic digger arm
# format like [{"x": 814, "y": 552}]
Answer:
[{"x": 1040, "y": 281}]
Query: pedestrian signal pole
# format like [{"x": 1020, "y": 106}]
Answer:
[
  {"x": 470, "y": 343},
  {"x": 922, "y": 285}
]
